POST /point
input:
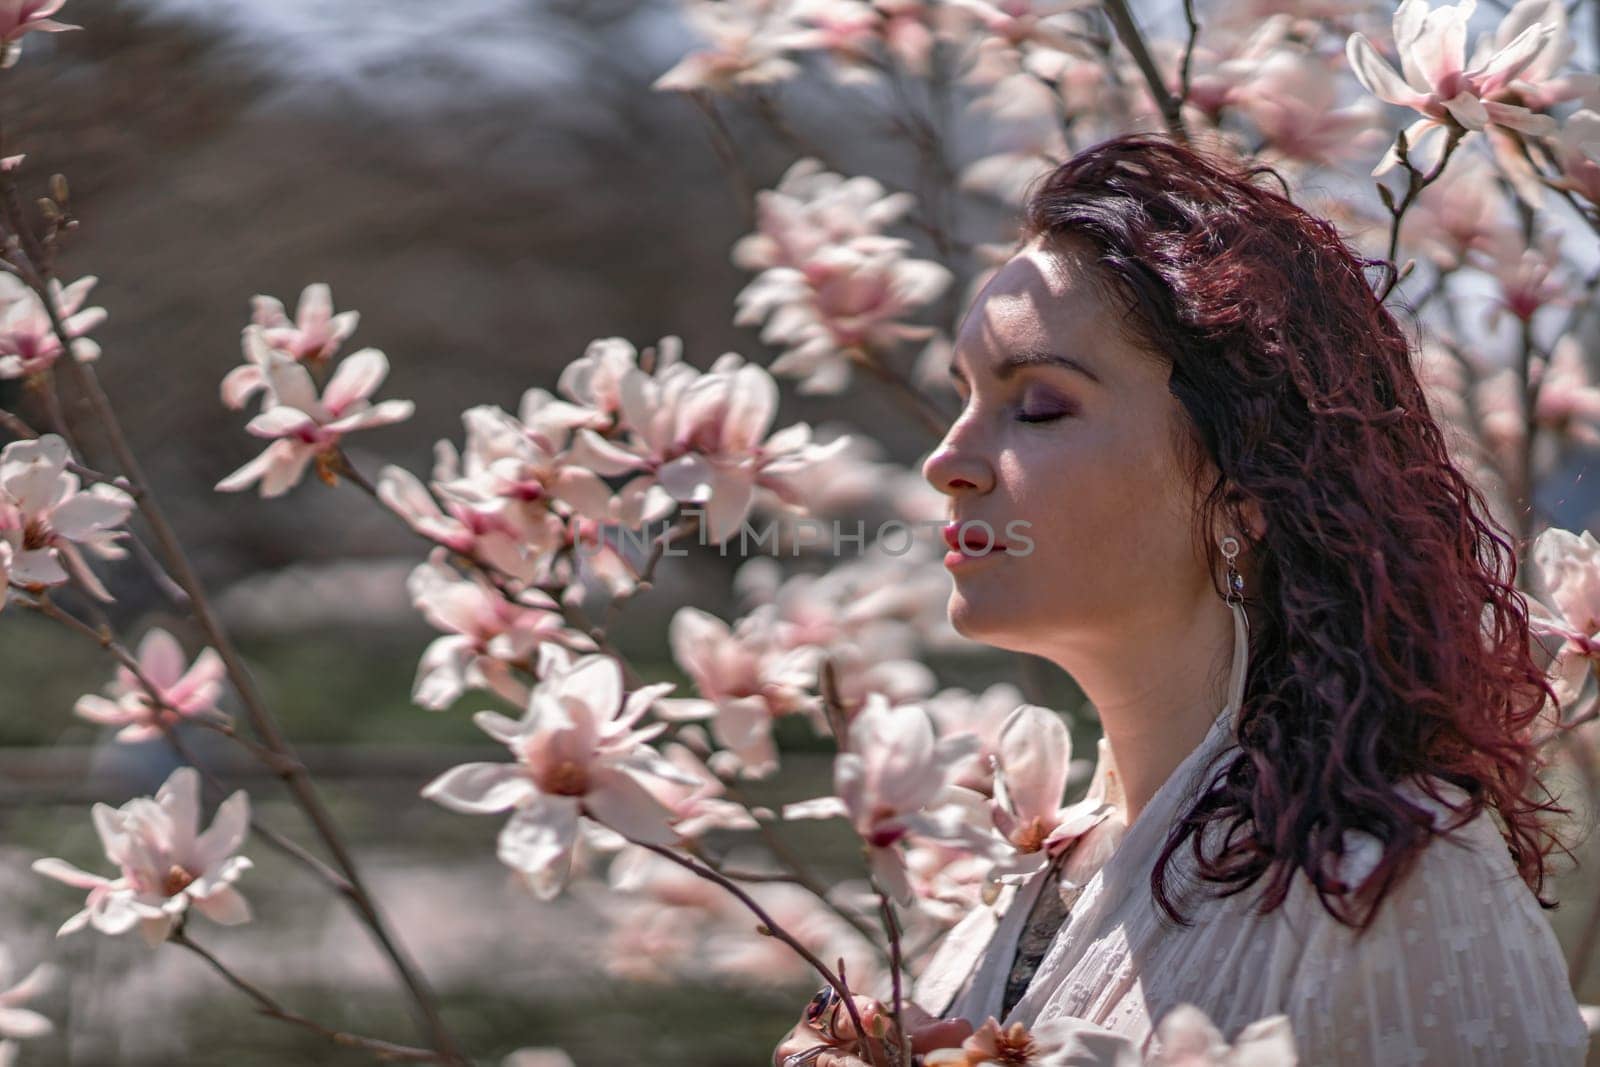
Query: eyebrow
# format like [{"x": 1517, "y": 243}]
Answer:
[{"x": 1031, "y": 358}]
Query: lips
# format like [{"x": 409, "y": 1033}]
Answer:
[{"x": 975, "y": 541}]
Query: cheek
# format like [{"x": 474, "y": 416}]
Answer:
[{"x": 1107, "y": 506}]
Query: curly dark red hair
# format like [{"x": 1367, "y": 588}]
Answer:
[{"x": 1388, "y": 637}]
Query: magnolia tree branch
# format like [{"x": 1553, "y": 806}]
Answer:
[
  {"x": 384, "y": 1050},
  {"x": 1128, "y": 33},
  {"x": 1416, "y": 181},
  {"x": 36, "y": 274},
  {"x": 770, "y": 928},
  {"x": 49, "y": 609}
]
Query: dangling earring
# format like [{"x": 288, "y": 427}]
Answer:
[{"x": 1241, "y": 624}]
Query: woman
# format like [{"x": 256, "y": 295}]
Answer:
[{"x": 1239, "y": 500}]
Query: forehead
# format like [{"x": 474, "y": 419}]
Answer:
[{"x": 1039, "y": 299}]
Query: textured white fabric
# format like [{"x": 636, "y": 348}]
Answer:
[{"x": 1460, "y": 967}]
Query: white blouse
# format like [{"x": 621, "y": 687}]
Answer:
[{"x": 1459, "y": 968}]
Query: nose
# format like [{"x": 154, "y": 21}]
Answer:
[{"x": 956, "y": 465}]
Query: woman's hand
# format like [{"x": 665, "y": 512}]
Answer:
[{"x": 843, "y": 1050}]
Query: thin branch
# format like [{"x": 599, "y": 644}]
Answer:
[
  {"x": 384, "y": 1050},
  {"x": 1128, "y": 33},
  {"x": 891, "y": 930},
  {"x": 770, "y": 928},
  {"x": 37, "y": 277}
]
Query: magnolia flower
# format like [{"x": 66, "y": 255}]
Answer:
[
  {"x": 1032, "y": 764},
  {"x": 578, "y": 753},
  {"x": 16, "y": 1021},
  {"x": 744, "y": 684},
  {"x": 1292, "y": 98},
  {"x": 21, "y": 17},
  {"x": 47, "y": 521},
  {"x": 1437, "y": 81},
  {"x": 704, "y": 438},
  {"x": 486, "y": 634},
  {"x": 1185, "y": 1037},
  {"x": 1577, "y": 150},
  {"x": 316, "y": 332},
  {"x": 1462, "y": 213},
  {"x": 1528, "y": 276},
  {"x": 594, "y": 380},
  {"x": 812, "y": 208},
  {"x": 699, "y": 807},
  {"x": 854, "y": 31},
  {"x": 167, "y": 864},
  {"x": 313, "y": 337},
  {"x": 1568, "y": 565},
  {"x": 890, "y": 776},
  {"x": 846, "y": 303},
  {"x": 748, "y": 41},
  {"x": 985, "y": 716},
  {"x": 28, "y": 340},
  {"x": 303, "y": 427},
  {"x": 1033, "y": 22},
  {"x": 183, "y": 690}
]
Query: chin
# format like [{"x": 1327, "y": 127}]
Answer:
[{"x": 987, "y": 620}]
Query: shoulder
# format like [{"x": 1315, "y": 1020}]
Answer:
[{"x": 1459, "y": 960}]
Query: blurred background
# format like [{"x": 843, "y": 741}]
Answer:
[{"x": 493, "y": 184}]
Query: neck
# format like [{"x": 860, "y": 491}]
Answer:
[{"x": 1158, "y": 689}]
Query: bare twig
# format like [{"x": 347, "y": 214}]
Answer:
[
  {"x": 384, "y": 1050},
  {"x": 1128, "y": 33}
]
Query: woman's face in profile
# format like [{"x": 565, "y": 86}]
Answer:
[{"x": 1079, "y": 460}]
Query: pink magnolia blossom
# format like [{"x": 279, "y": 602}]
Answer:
[
  {"x": 21, "y": 17},
  {"x": 744, "y": 684},
  {"x": 845, "y": 304},
  {"x": 1567, "y": 408},
  {"x": 888, "y": 783},
  {"x": 1530, "y": 278},
  {"x": 16, "y": 1021},
  {"x": 28, "y": 341},
  {"x": 857, "y": 32},
  {"x": 812, "y": 208},
  {"x": 1541, "y": 84},
  {"x": 1292, "y": 99},
  {"x": 699, "y": 807},
  {"x": 303, "y": 427},
  {"x": 704, "y": 439},
  {"x": 594, "y": 380},
  {"x": 166, "y": 863},
  {"x": 985, "y": 716},
  {"x": 1577, "y": 151},
  {"x": 316, "y": 332},
  {"x": 579, "y": 752},
  {"x": 47, "y": 521},
  {"x": 1461, "y": 214},
  {"x": 1437, "y": 80},
  {"x": 1032, "y": 764},
  {"x": 1185, "y": 1037},
  {"x": 1568, "y": 565},
  {"x": 748, "y": 45},
  {"x": 1026, "y": 22},
  {"x": 5, "y": 571},
  {"x": 486, "y": 635},
  {"x": 183, "y": 690}
]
